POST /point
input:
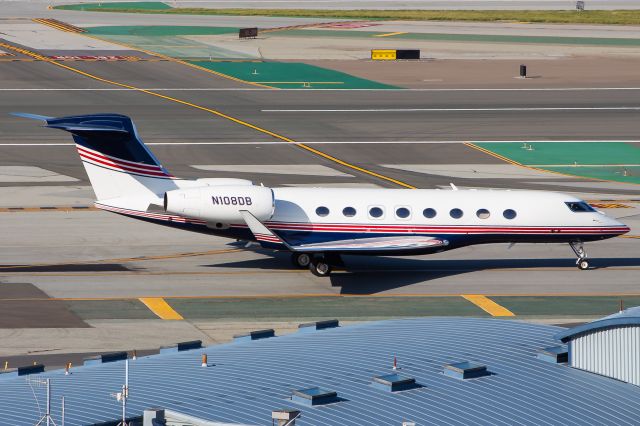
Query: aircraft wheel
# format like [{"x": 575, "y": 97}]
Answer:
[
  {"x": 583, "y": 265},
  {"x": 320, "y": 268},
  {"x": 301, "y": 260}
]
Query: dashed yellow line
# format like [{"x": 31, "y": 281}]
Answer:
[
  {"x": 214, "y": 112},
  {"x": 488, "y": 305},
  {"x": 389, "y": 34},
  {"x": 161, "y": 308}
]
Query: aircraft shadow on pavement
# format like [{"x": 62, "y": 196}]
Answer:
[{"x": 370, "y": 275}]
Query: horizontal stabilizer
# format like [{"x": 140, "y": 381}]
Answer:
[{"x": 31, "y": 116}]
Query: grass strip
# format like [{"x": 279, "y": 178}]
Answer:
[{"x": 613, "y": 17}]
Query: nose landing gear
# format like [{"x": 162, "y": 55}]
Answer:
[{"x": 578, "y": 249}]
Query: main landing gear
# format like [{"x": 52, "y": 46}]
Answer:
[
  {"x": 320, "y": 264},
  {"x": 301, "y": 260},
  {"x": 578, "y": 249}
]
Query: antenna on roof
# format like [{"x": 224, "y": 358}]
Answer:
[
  {"x": 46, "y": 418},
  {"x": 124, "y": 395}
]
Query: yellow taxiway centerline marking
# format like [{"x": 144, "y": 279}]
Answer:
[
  {"x": 488, "y": 305},
  {"x": 389, "y": 34},
  {"x": 161, "y": 308},
  {"x": 214, "y": 112}
]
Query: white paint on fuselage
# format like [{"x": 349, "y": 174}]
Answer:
[{"x": 533, "y": 208}]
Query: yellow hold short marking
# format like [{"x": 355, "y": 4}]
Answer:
[
  {"x": 488, "y": 305},
  {"x": 161, "y": 308}
]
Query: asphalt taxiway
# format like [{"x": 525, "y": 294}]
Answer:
[{"x": 96, "y": 273}]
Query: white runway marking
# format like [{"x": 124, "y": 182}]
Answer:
[
  {"x": 342, "y": 142},
  {"x": 31, "y": 174},
  {"x": 474, "y": 171},
  {"x": 280, "y": 169},
  {"x": 523, "y": 109}
]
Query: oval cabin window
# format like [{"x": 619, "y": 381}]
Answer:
[
  {"x": 509, "y": 214},
  {"x": 429, "y": 213},
  {"x": 403, "y": 212},
  {"x": 349, "y": 211},
  {"x": 376, "y": 212},
  {"x": 456, "y": 213},
  {"x": 483, "y": 214},
  {"x": 322, "y": 211}
]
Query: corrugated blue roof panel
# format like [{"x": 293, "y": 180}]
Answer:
[
  {"x": 250, "y": 379},
  {"x": 630, "y": 316}
]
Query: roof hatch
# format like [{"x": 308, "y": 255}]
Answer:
[
  {"x": 466, "y": 370},
  {"x": 314, "y": 396},
  {"x": 555, "y": 354},
  {"x": 394, "y": 382}
]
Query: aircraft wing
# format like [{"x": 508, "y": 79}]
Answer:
[
  {"x": 386, "y": 244},
  {"x": 269, "y": 239}
]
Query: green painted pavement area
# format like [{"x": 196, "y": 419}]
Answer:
[
  {"x": 352, "y": 308},
  {"x": 487, "y": 38},
  {"x": 323, "y": 307},
  {"x": 565, "y": 306},
  {"x": 292, "y": 75},
  {"x": 615, "y": 161},
  {"x": 140, "y": 5},
  {"x": 159, "y": 30}
]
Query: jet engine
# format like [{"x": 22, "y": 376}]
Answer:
[{"x": 220, "y": 204}]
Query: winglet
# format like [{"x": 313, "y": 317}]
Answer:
[
  {"x": 264, "y": 235},
  {"x": 31, "y": 116}
]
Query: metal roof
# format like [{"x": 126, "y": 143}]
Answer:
[
  {"x": 630, "y": 316},
  {"x": 247, "y": 380}
]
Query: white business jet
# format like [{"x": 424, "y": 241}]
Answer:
[{"x": 318, "y": 225}]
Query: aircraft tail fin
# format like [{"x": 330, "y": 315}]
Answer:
[{"x": 118, "y": 164}]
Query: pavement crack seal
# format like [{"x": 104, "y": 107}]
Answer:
[
  {"x": 214, "y": 112},
  {"x": 121, "y": 260}
]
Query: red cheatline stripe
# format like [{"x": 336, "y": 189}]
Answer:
[
  {"x": 151, "y": 167},
  {"x": 121, "y": 168},
  {"x": 440, "y": 229},
  {"x": 106, "y": 161}
]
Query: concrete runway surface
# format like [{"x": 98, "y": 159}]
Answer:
[{"x": 69, "y": 278}]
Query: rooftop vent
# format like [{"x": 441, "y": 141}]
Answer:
[
  {"x": 314, "y": 396},
  {"x": 285, "y": 417},
  {"x": 465, "y": 370},
  {"x": 182, "y": 346},
  {"x": 110, "y": 357},
  {"x": 555, "y": 354},
  {"x": 318, "y": 325},
  {"x": 394, "y": 382},
  {"x": 24, "y": 371},
  {"x": 255, "y": 335}
]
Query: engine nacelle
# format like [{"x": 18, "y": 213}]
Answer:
[{"x": 221, "y": 203}]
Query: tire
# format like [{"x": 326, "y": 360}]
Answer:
[
  {"x": 320, "y": 269},
  {"x": 301, "y": 260},
  {"x": 583, "y": 265}
]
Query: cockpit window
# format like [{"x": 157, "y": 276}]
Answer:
[{"x": 579, "y": 207}]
